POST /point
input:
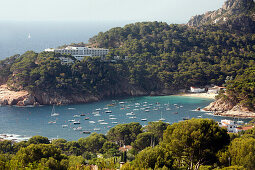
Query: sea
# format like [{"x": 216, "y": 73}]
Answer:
[
  {"x": 21, "y": 123},
  {"x": 17, "y": 37}
]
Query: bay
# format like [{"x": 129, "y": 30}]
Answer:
[{"x": 24, "y": 122}]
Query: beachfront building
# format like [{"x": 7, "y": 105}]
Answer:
[
  {"x": 197, "y": 90},
  {"x": 215, "y": 89},
  {"x": 79, "y": 52}
]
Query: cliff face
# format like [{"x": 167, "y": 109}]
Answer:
[
  {"x": 235, "y": 14},
  {"x": 225, "y": 107}
]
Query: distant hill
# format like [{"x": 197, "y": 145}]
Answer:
[{"x": 236, "y": 15}]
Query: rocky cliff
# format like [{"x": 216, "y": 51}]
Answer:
[
  {"x": 224, "y": 107},
  {"x": 235, "y": 14},
  {"x": 23, "y": 98}
]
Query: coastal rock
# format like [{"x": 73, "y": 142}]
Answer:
[
  {"x": 229, "y": 108},
  {"x": 234, "y": 14}
]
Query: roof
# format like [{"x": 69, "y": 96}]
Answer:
[{"x": 125, "y": 148}]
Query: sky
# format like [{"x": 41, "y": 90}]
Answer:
[{"x": 171, "y": 11}]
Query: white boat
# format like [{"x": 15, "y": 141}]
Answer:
[
  {"x": 114, "y": 122},
  {"x": 99, "y": 109},
  {"x": 78, "y": 128},
  {"x": 144, "y": 119},
  {"x": 92, "y": 122},
  {"x": 108, "y": 111},
  {"x": 71, "y": 108},
  {"x": 130, "y": 114},
  {"x": 167, "y": 109},
  {"x": 146, "y": 110},
  {"x": 97, "y": 129},
  {"x": 106, "y": 108},
  {"x": 29, "y": 36},
  {"x": 64, "y": 126},
  {"x": 97, "y": 115},
  {"x": 121, "y": 102},
  {"x": 103, "y": 123},
  {"x": 52, "y": 122},
  {"x": 76, "y": 115},
  {"x": 100, "y": 120},
  {"x": 94, "y": 113},
  {"x": 113, "y": 118},
  {"x": 132, "y": 117},
  {"x": 111, "y": 115},
  {"x": 162, "y": 119},
  {"x": 76, "y": 122},
  {"x": 53, "y": 113},
  {"x": 72, "y": 120}
]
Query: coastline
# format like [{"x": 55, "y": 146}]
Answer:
[{"x": 199, "y": 95}]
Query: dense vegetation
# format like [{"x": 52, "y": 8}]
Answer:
[
  {"x": 191, "y": 144},
  {"x": 161, "y": 56}
]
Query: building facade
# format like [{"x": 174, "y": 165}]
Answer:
[{"x": 79, "y": 52}]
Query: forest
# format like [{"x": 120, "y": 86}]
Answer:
[{"x": 191, "y": 144}]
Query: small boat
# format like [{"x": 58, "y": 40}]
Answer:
[
  {"x": 132, "y": 117},
  {"x": 76, "y": 123},
  {"x": 64, "y": 126},
  {"x": 76, "y": 115},
  {"x": 99, "y": 109},
  {"x": 86, "y": 118},
  {"x": 113, "y": 118},
  {"x": 52, "y": 122},
  {"x": 175, "y": 112},
  {"x": 92, "y": 122},
  {"x": 114, "y": 122},
  {"x": 83, "y": 114},
  {"x": 121, "y": 102},
  {"x": 97, "y": 115},
  {"x": 162, "y": 119},
  {"x": 198, "y": 109},
  {"x": 29, "y": 36},
  {"x": 97, "y": 129},
  {"x": 100, "y": 120},
  {"x": 103, "y": 123},
  {"x": 106, "y": 108},
  {"x": 146, "y": 110},
  {"x": 111, "y": 115},
  {"x": 53, "y": 113},
  {"x": 71, "y": 108},
  {"x": 199, "y": 116},
  {"x": 185, "y": 118},
  {"x": 78, "y": 128},
  {"x": 108, "y": 111},
  {"x": 86, "y": 132},
  {"x": 167, "y": 109},
  {"x": 143, "y": 119},
  {"x": 72, "y": 120},
  {"x": 130, "y": 114}
]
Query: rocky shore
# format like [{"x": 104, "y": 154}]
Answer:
[
  {"x": 227, "y": 108},
  {"x": 24, "y": 98}
]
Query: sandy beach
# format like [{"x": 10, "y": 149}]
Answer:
[{"x": 200, "y": 95}]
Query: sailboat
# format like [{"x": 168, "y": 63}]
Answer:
[
  {"x": 161, "y": 119},
  {"x": 29, "y": 36},
  {"x": 53, "y": 113}
]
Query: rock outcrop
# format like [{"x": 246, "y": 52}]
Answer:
[
  {"x": 229, "y": 108},
  {"x": 235, "y": 14}
]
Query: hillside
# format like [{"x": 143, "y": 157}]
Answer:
[
  {"x": 162, "y": 59},
  {"x": 236, "y": 15}
]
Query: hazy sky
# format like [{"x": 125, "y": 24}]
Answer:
[{"x": 177, "y": 11}]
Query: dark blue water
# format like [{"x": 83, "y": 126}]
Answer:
[
  {"x": 14, "y": 35},
  {"x": 30, "y": 121}
]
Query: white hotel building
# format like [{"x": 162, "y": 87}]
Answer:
[{"x": 79, "y": 52}]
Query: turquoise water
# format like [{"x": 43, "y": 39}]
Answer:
[{"x": 31, "y": 121}]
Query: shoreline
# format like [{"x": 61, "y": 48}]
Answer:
[{"x": 199, "y": 95}]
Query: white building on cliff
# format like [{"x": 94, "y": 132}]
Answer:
[{"x": 79, "y": 52}]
